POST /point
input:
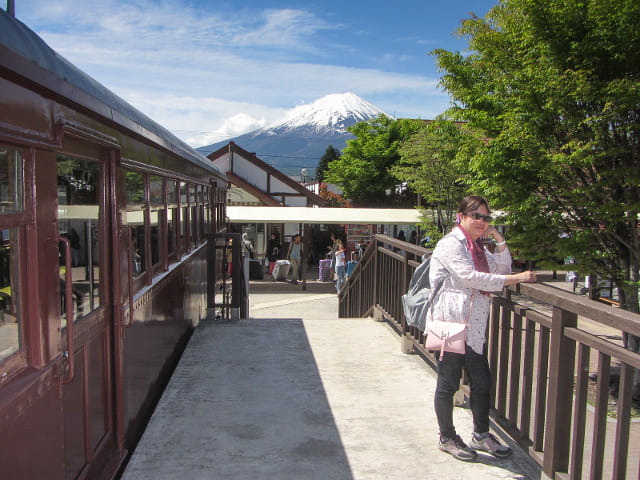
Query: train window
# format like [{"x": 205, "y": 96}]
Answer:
[
  {"x": 203, "y": 221},
  {"x": 194, "y": 214},
  {"x": 172, "y": 229},
  {"x": 194, "y": 224},
  {"x": 184, "y": 228},
  {"x": 135, "y": 220},
  {"x": 11, "y": 168},
  {"x": 135, "y": 189},
  {"x": 155, "y": 218},
  {"x": 138, "y": 252},
  {"x": 9, "y": 306},
  {"x": 184, "y": 217},
  {"x": 156, "y": 194},
  {"x": 205, "y": 213},
  {"x": 80, "y": 221},
  {"x": 172, "y": 193},
  {"x": 172, "y": 217},
  {"x": 183, "y": 193}
]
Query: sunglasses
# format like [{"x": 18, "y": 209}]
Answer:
[{"x": 479, "y": 216}]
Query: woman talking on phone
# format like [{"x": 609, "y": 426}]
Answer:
[{"x": 469, "y": 272}]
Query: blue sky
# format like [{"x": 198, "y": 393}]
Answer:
[{"x": 210, "y": 70}]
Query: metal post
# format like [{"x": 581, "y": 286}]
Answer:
[
  {"x": 306, "y": 245},
  {"x": 211, "y": 275},
  {"x": 236, "y": 271},
  {"x": 374, "y": 245}
]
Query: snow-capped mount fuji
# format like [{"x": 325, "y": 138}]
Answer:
[
  {"x": 302, "y": 137},
  {"x": 333, "y": 113}
]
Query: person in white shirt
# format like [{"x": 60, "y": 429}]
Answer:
[
  {"x": 341, "y": 265},
  {"x": 295, "y": 257},
  {"x": 469, "y": 272}
]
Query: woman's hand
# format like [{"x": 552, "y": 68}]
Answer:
[
  {"x": 527, "y": 277},
  {"x": 522, "y": 277},
  {"x": 492, "y": 232}
]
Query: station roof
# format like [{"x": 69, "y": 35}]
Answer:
[{"x": 318, "y": 215}]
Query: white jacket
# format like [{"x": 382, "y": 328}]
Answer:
[{"x": 452, "y": 261}]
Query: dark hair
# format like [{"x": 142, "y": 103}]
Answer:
[{"x": 472, "y": 203}]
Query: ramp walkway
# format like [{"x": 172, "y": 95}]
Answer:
[{"x": 296, "y": 393}]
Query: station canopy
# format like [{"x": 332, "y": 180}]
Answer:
[{"x": 324, "y": 215}]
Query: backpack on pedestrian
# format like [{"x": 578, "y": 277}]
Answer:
[{"x": 419, "y": 297}]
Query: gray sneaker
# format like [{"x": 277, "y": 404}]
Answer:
[
  {"x": 490, "y": 444},
  {"x": 456, "y": 447}
]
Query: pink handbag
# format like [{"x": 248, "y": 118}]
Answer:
[{"x": 446, "y": 337}]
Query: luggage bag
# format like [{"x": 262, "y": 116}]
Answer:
[
  {"x": 324, "y": 271},
  {"x": 281, "y": 270}
]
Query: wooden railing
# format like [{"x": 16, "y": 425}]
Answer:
[{"x": 543, "y": 345}]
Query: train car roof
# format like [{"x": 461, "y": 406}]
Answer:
[{"x": 20, "y": 39}]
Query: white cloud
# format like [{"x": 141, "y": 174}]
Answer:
[
  {"x": 209, "y": 75},
  {"x": 202, "y": 121},
  {"x": 231, "y": 127}
]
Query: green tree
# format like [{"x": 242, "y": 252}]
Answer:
[
  {"x": 554, "y": 86},
  {"x": 363, "y": 170},
  {"x": 330, "y": 154},
  {"x": 428, "y": 165}
]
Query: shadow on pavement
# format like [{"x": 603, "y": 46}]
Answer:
[{"x": 245, "y": 402}]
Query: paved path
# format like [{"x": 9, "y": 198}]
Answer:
[{"x": 295, "y": 393}]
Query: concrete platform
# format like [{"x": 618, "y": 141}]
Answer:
[{"x": 296, "y": 393}]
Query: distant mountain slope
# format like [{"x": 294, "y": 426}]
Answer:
[{"x": 304, "y": 135}]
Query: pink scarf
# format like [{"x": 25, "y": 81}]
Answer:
[{"x": 477, "y": 254}]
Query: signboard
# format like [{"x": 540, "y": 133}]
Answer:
[{"x": 358, "y": 233}]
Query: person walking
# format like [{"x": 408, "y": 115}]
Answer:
[
  {"x": 332, "y": 251},
  {"x": 341, "y": 265},
  {"x": 469, "y": 272},
  {"x": 295, "y": 257},
  {"x": 273, "y": 251}
]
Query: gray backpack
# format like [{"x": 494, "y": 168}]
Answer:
[{"x": 420, "y": 296}]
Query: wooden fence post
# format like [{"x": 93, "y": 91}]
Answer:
[
  {"x": 557, "y": 430},
  {"x": 375, "y": 271}
]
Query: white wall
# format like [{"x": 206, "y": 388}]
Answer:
[
  {"x": 280, "y": 187},
  {"x": 295, "y": 201},
  {"x": 246, "y": 170},
  {"x": 222, "y": 162}
]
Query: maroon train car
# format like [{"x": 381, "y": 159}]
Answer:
[{"x": 104, "y": 217}]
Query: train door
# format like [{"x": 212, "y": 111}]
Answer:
[{"x": 83, "y": 222}]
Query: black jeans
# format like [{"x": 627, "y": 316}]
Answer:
[{"x": 449, "y": 374}]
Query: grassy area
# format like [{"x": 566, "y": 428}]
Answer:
[{"x": 612, "y": 404}]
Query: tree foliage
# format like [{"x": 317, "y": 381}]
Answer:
[
  {"x": 428, "y": 165},
  {"x": 363, "y": 170},
  {"x": 332, "y": 199},
  {"x": 555, "y": 88},
  {"x": 330, "y": 154}
]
